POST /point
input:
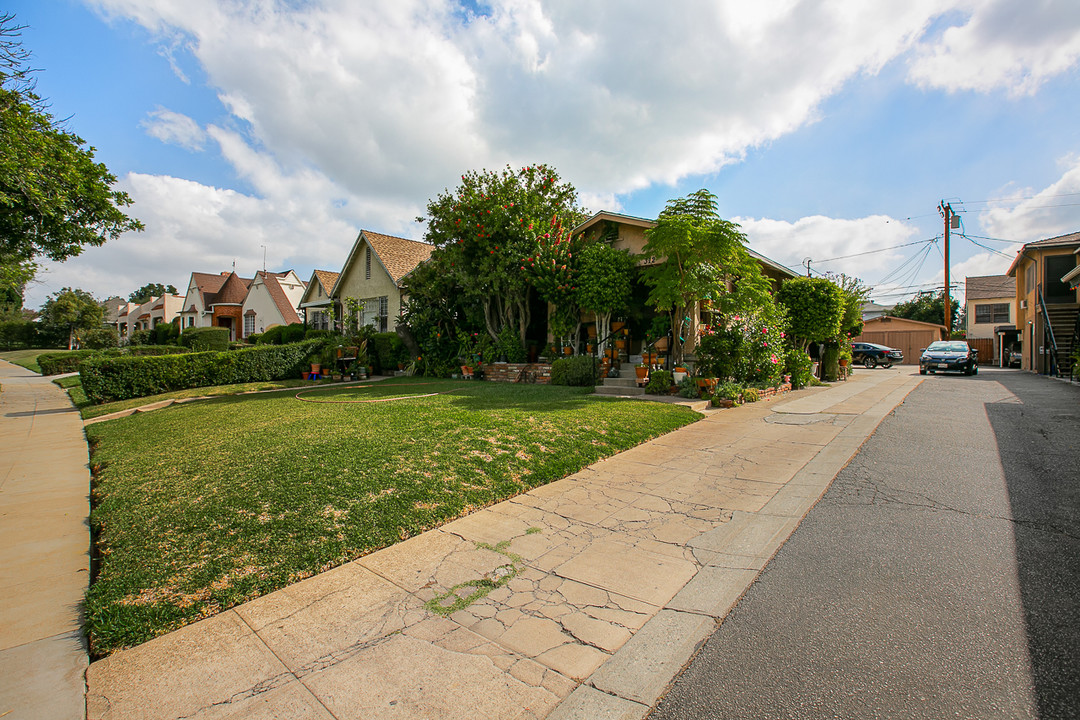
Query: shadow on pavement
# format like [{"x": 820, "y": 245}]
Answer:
[{"x": 1038, "y": 434}]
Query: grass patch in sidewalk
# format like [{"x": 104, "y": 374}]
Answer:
[{"x": 200, "y": 507}]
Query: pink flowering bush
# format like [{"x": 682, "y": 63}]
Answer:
[{"x": 749, "y": 349}]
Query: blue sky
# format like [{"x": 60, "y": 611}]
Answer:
[{"x": 825, "y": 130}]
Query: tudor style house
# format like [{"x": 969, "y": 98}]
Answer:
[
  {"x": 243, "y": 305},
  {"x": 131, "y": 317},
  {"x": 1048, "y": 305},
  {"x": 272, "y": 299},
  {"x": 372, "y": 275}
]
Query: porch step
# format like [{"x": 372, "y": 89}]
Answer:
[{"x": 619, "y": 390}]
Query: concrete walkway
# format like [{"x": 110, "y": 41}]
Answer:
[
  {"x": 605, "y": 583},
  {"x": 44, "y": 549}
]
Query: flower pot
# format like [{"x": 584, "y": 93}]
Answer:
[
  {"x": 589, "y": 347},
  {"x": 642, "y": 374},
  {"x": 679, "y": 374},
  {"x": 305, "y": 375},
  {"x": 568, "y": 351},
  {"x": 591, "y": 330},
  {"x": 725, "y": 403},
  {"x": 316, "y": 368},
  {"x": 843, "y": 362},
  {"x": 620, "y": 344}
]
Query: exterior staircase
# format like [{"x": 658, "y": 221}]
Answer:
[
  {"x": 626, "y": 384},
  {"x": 1063, "y": 320}
]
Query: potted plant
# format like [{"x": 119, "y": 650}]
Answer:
[
  {"x": 679, "y": 373},
  {"x": 642, "y": 372},
  {"x": 727, "y": 395}
]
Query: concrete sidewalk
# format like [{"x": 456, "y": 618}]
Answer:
[
  {"x": 44, "y": 549},
  {"x": 605, "y": 584}
]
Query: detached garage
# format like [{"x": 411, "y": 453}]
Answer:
[{"x": 910, "y": 336}]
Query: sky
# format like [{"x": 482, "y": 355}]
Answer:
[{"x": 272, "y": 131}]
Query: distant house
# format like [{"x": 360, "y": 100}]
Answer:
[
  {"x": 1047, "y": 302},
  {"x": 116, "y": 314},
  {"x": 131, "y": 317},
  {"x": 372, "y": 275},
  {"x": 201, "y": 294},
  {"x": 990, "y": 314},
  {"x": 871, "y": 310},
  {"x": 316, "y": 303},
  {"x": 272, "y": 299}
]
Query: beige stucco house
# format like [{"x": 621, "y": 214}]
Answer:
[
  {"x": 272, "y": 299},
  {"x": 316, "y": 302},
  {"x": 990, "y": 316},
  {"x": 372, "y": 275}
]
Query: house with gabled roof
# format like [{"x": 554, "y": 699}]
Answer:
[
  {"x": 272, "y": 299},
  {"x": 372, "y": 275},
  {"x": 316, "y": 303},
  {"x": 990, "y": 316}
]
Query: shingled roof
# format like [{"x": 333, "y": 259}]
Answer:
[
  {"x": 327, "y": 279},
  {"x": 233, "y": 291},
  {"x": 982, "y": 287},
  {"x": 288, "y": 312},
  {"x": 398, "y": 255}
]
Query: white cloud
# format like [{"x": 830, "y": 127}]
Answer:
[
  {"x": 174, "y": 128},
  {"x": 822, "y": 239},
  {"x": 1025, "y": 214},
  {"x": 1002, "y": 43}
]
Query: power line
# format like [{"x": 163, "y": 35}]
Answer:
[
  {"x": 1019, "y": 199},
  {"x": 871, "y": 252},
  {"x": 986, "y": 247}
]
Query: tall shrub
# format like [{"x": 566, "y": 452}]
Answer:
[{"x": 205, "y": 338}]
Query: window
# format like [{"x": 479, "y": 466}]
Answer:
[
  {"x": 191, "y": 321},
  {"x": 384, "y": 312},
  {"x": 992, "y": 313},
  {"x": 1030, "y": 276},
  {"x": 367, "y": 266},
  {"x": 249, "y": 324}
]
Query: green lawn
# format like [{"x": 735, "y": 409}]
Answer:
[
  {"x": 200, "y": 507},
  {"x": 25, "y": 358}
]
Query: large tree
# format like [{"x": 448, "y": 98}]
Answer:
[
  {"x": 485, "y": 227},
  {"x": 74, "y": 311},
  {"x": 54, "y": 198},
  {"x": 697, "y": 255},
  {"x": 151, "y": 290},
  {"x": 604, "y": 285},
  {"x": 815, "y": 309}
]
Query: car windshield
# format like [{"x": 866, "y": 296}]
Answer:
[{"x": 945, "y": 346}]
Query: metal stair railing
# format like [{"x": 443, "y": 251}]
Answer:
[{"x": 1048, "y": 334}]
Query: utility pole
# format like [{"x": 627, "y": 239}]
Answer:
[{"x": 950, "y": 217}]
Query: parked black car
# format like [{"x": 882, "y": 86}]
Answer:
[
  {"x": 871, "y": 355},
  {"x": 949, "y": 356}
]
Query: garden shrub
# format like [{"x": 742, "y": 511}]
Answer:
[
  {"x": 62, "y": 362},
  {"x": 141, "y": 337},
  {"x": 799, "y": 366},
  {"x": 386, "y": 351},
  {"x": 166, "y": 333},
  {"x": 660, "y": 382},
  {"x": 509, "y": 346},
  {"x": 99, "y": 338},
  {"x": 253, "y": 338},
  {"x": 830, "y": 363},
  {"x": 117, "y": 378},
  {"x": 201, "y": 339},
  {"x": 292, "y": 333},
  {"x": 271, "y": 336},
  {"x": 728, "y": 391},
  {"x": 748, "y": 349},
  {"x": 577, "y": 371},
  {"x": 313, "y": 333},
  {"x": 750, "y": 395},
  {"x": 688, "y": 388}
]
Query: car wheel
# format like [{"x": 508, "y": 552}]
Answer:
[
  {"x": 869, "y": 362},
  {"x": 922, "y": 371},
  {"x": 975, "y": 370},
  {"x": 886, "y": 365}
]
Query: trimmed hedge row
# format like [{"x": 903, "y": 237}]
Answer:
[
  {"x": 205, "y": 338},
  {"x": 65, "y": 361},
  {"x": 118, "y": 378}
]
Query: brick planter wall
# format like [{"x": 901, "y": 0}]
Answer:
[{"x": 518, "y": 372}]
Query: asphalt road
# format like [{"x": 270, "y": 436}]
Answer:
[{"x": 939, "y": 577}]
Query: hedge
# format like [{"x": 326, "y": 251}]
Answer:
[
  {"x": 205, "y": 338},
  {"x": 63, "y": 362},
  {"x": 66, "y": 361},
  {"x": 118, "y": 378}
]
